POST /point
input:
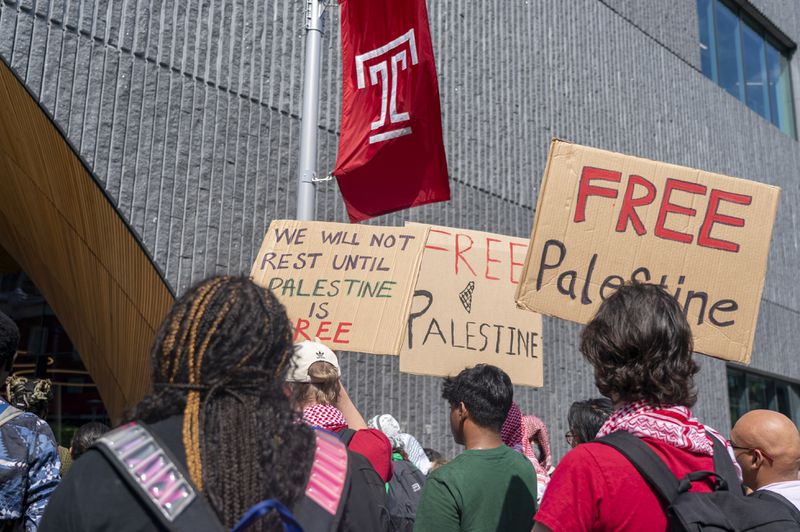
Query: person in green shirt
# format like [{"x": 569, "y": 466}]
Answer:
[{"x": 489, "y": 486}]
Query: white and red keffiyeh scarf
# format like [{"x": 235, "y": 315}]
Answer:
[
  {"x": 514, "y": 435},
  {"x": 673, "y": 425},
  {"x": 326, "y": 417}
]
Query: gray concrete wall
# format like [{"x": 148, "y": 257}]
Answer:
[{"x": 188, "y": 114}]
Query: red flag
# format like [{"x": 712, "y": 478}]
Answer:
[{"x": 391, "y": 154}]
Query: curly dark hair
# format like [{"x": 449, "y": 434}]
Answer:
[
  {"x": 85, "y": 436},
  {"x": 586, "y": 417},
  {"x": 30, "y": 395},
  {"x": 640, "y": 345},
  {"x": 485, "y": 390},
  {"x": 219, "y": 359}
]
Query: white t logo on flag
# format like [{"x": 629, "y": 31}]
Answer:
[{"x": 396, "y": 52}]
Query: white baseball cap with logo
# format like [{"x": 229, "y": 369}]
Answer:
[{"x": 307, "y": 353}]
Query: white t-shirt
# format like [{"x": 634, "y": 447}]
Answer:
[{"x": 789, "y": 489}]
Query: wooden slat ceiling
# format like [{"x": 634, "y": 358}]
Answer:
[{"x": 58, "y": 225}]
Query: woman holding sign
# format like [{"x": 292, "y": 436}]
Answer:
[{"x": 316, "y": 390}]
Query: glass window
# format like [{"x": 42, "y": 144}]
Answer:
[
  {"x": 752, "y": 391},
  {"x": 755, "y": 71},
  {"x": 737, "y": 394},
  {"x": 782, "y": 403},
  {"x": 708, "y": 52},
  {"x": 780, "y": 90},
  {"x": 728, "y": 47},
  {"x": 742, "y": 58},
  {"x": 757, "y": 392}
]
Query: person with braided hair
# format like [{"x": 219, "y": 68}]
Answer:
[
  {"x": 218, "y": 408},
  {"x": 29, "y": 462},
  {"x": 34, "y": 396}
]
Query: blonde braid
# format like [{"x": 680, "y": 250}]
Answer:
[
  {"x": 191, "y": 413},
  {"x": 205, "y": 293},
  {"x": 169, "y": 343}
]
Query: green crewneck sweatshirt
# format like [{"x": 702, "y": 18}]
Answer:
[{"x": 492, "y": 489}]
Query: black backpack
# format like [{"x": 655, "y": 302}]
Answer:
[
  {"x": 724, "y": 509},
  {"x": 367, "y": 506},
  {"x": 777, "y": 497},
  {"x": 405, "y": 490}
]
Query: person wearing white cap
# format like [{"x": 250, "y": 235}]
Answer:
[
  {"x": 387, "y": 424},
  {"x": 313, "y": 380}
]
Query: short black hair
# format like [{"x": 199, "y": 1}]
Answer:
[
  {"x": 9, "y": 340},
  {"x": 485, "y": 390},
  {"x": 640, "y": 345},
  {"x": 432, "y": 454},
  {"x": 85, "y": 436},
  {"x": 586, "y": 417}
]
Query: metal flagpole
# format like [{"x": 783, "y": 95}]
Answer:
[{"x": 307, "y": 168}]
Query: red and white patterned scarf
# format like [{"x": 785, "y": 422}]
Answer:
[
  {"x": 514, "y": 435},
  {"x": 536, "y": 430},
  {"x": 673, "y": 425},
  {"x": 327, "y": 417}
]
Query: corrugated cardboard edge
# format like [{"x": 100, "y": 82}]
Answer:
[
  {"x": 398, "y": 343},
  {"x": 554, "y": 143},
  {"x": 747, "y": 355},
  {"x": 254, "y": 270}
]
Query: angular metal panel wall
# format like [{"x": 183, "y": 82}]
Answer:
[{"x": 188, "y": 113}]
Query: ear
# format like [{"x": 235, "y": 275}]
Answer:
[
  {"x": 463, "y": 412},
  {"x": 758, "y": 458}
]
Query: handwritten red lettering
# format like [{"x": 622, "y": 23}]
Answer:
[
  {"x": 460, "y": 252},
  {"x": 667, "y": 207},
  {"x": 712, "y": 216},
  {"x": 300, "y": 328},
  {"x": 629, "y": 204},
  {"x": 342, "y": 329},
  {"x": 489, "y": 258},
  {"x": 585, "y": 189},
  {"x": 511, "y": 246},
  {"x": 437, "y": 248}
]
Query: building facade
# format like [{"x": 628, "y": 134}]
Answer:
[{"x": 187, "y": 115}]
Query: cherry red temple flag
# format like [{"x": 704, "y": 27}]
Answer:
[{"x": 391, "y": 155}]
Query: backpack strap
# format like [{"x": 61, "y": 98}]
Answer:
[
  {"x": 260, "y": 509},
  {"x": 8, "y": 413},
  {"x": 723, "y": 465},
  {"x": 154, "y": 475},
  {"x": 646, "y": 462},
  {"x": 777, "y": 497},
  {"x": 322, "y": 504},
  {"x": 346, "y": 435}
]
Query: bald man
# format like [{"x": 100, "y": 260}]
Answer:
[{"x": 767, "y": 447}]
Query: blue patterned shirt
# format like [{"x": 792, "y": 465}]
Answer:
[{"x": 29, "y": 468}]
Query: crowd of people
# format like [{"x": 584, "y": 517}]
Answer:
[{"x": 245, "y": 430}]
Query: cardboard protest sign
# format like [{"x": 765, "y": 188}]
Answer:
[
  {"x": 604, "y": 218},
  {"x": 463, "y": 312},
  {"x": 348, "y": 285}
]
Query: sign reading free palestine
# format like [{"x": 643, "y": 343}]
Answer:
[
  {"x": 463, "y": 311},
  {"x": 605, "y": 218}
]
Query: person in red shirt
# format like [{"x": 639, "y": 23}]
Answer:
[
  {"x": 316, "y": 389},
  {"x": 640, "y": 346}
]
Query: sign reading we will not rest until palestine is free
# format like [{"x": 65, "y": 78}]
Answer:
[{"x": 349, "y": 286}]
